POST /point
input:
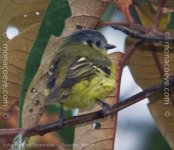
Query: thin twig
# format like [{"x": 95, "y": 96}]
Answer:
[
  {"x": 133, "y": 26},
  {"x": 55, "y": 126},
  {"x": 156, "y": 59},
  {"x": 138, "y": 31},
  {"x": 149, "y": 37},
  {"x": 157, "y": 16}
]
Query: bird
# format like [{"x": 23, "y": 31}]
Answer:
[{"x": 80, "y": 73}]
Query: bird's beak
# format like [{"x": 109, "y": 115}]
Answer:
[{"x": 109, "y": 46}]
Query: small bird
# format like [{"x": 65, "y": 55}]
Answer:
[{"x": 80, "y": 73}]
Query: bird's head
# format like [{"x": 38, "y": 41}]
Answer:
[{"x": 90, "y": 37}]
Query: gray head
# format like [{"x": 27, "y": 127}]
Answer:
[{"x": 90, "y": 37}]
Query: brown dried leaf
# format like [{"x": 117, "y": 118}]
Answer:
[
  {"x": 146, "y": 73},
  {"x": 17, "y": 49},
  {"x": 89, "y": 137},
  {"x": 20, "y": 13}
]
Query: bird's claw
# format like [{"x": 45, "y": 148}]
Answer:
[{"x": 105, "y": 107}]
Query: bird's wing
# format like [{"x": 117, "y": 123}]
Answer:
[{"x": 80, "y": 69}]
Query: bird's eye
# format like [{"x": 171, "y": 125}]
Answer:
[
  {"x": 98, "y": 43},
  {"x": 89, "y": 42}
]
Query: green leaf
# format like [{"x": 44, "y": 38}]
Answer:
[
  {"x": 107, "y": 16},
  {"x": 171, "y": 22},
  {"x": 157, "y": 141}
]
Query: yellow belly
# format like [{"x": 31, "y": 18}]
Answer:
[{"x": 86, "y": 92}]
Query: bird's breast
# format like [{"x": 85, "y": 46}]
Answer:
[{"x": 84, "y": 93}]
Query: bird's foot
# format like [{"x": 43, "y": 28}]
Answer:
[{"x": 105, "y": 107}]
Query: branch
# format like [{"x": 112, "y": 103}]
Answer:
[
  {"x": 133, "y": 26},
  {"x": 140, "y": 32},
  {"x": 144, "y": 36},
  {"x": 55, "y": 126},
  {"x": 157, "y": 16}
]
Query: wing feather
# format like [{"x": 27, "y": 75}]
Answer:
[{"x": 80, "y": 69}]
